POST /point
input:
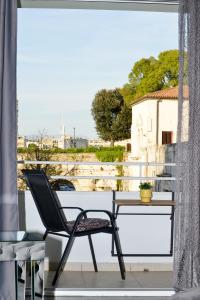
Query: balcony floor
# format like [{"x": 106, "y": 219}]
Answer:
[
  {"x": 91, "y": 282},
  {"x": 105, "y": 298}
]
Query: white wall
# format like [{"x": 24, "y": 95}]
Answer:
[
  {"x": 168, "y": 118},
  {"x": 144, "y": 123},
  {"x": 143, "y": 130},
  {"x": 139, "y": 234}
]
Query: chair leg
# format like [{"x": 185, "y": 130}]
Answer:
[
  {"x": 92, "y": 252},
  {"x": 119, "y": 253},
  {"x": 64, "y": 258},
  {"x": 45, "y": 235}
]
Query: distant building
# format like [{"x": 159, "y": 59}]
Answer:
[
  {"x": 21, "y": 142},
  {"x": 98, "y": 143},
  {"x": 102, "y": 143},
  {"x": 66, "y": 141},
  {"x": 154, "y": 126},
  {"x": 49, "y": 142},
  {"x": 154, "y": 120},
  {"x": 81, "y": 143}
]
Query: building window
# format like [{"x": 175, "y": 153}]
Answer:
[{"x": 167, "y": 137}]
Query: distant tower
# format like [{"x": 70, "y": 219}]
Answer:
[
  {"x": 63, "y": 131},
  {"x": 62, "y": 126},
  {"x": 61, "y": 140}
]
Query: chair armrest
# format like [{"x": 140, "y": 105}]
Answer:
[
  {"x": 71, "y": 207},
  {"x": 83, "y": 213},
  {"x": 107, "y": 212}
]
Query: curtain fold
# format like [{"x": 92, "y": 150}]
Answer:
[
  {"x": 8, "y": 136},
  {"x": 8, "y": 115},
  {"x": 187, "y": 216}
]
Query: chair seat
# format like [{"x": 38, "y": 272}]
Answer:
[{"x": 89, "y": 224}]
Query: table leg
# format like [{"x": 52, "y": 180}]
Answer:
[
  {"x": 20, "y": 275},
  {"x": 172, "y": 231},
  {"x": 113, "y": 211},
  {"x": 16, "y": 280},
  {"x": 38, "y": 279},
  {"x": 27, "y": 280},
  {"x": 117, "y": 211},
  {"x": 33, "y": 263},
  {"x": 34, "y": 280}
]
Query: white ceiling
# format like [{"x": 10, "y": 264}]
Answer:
[{"x": 142, "y": 5}]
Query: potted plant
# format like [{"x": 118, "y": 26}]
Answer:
[{"x": 145, "y": 192}]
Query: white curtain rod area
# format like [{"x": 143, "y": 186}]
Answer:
[{"x": 170, "y": 6}]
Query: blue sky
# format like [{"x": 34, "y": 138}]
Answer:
[{"x": 66, "y": 56}]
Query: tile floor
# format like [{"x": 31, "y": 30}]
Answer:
[
  {"x": 104, "y": 298},
  {"x": 110, "y": 280}
]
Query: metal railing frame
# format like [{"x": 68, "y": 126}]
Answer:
[
  {"x": 140, "y": 177},
  {"x": 139, "y": 164}
]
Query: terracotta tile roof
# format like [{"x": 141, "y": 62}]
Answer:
[{"x": 171, "y": 93}]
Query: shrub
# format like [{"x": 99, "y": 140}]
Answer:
[
  {"x": 90, "y": 149},
  {"x": 145, "y": 186},
  {"x": 109, "y": 156}
]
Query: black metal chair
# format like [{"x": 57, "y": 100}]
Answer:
[{"x": 55, "y": 221}]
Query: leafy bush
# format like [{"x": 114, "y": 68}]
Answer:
[
  {"x": 109, "y": 156},
  {"x": 21, "y": 150},
  {"x": 89, "y": 149},
  {"x": 145, "y": 186}
]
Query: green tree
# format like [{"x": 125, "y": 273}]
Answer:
[
  {"x": 111, "y": 115},
  {"x": 151, "y": 74}
]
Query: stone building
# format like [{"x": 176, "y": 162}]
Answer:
[
  {"x": 154, "y": 133},
  {"x": 154, "y": 120}
]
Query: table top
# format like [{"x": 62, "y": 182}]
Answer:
[
  {"x": 134, "y": 202},
  {"x": 19, "y": 236}
]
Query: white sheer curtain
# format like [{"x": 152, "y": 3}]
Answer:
[{"x": 187, "y": 216}]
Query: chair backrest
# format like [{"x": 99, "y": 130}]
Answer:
[{"x": 46, "y": 200}]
